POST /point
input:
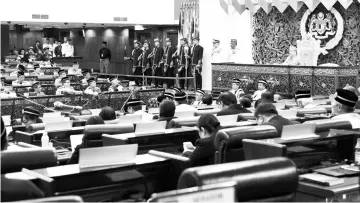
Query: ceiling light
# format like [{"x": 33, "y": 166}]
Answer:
[{"x": 139, "y": 27}]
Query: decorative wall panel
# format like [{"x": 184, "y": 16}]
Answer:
[{"x": 275, "y": 32}]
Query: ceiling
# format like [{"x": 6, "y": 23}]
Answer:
[{"x": 41, "y": 25}]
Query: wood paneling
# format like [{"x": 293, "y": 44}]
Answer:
[{"x": 4, "y": 40}]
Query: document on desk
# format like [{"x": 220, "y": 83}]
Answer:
[
  {"x": 321, "y": 179},
  {"x": 336, "y": 132}
]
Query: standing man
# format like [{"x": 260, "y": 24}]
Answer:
[
  {"x": 105, "y": 57},
  {"x": 47, "y": 44},
  {"x": 135, "y": 56},
  {"x": 197, "y": 55},
  {"x": 234, "y": 52},
  {"x": 57, "y": 49},
  {"x": 216, "y": 54},
  {"x": 37, "y": 47},
  {"x": 67, "y": 48},
  {"x": 158, "y": 62},
  {"x": 184, "y": 61},
  {"x": 146, "y": 61},
  {"x": 170, "y": 62}
]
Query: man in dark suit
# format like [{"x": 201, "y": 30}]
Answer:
[
  {"x": 158, "y": 62},
  {"x": 184, "y": 58},
  {"x": 228, "y": 103},
  {"x": 135, "y": 58},
  {"x": 170, "y": 62},
  {"x": 105, "y": 57},
  {"x": 57, "y": 51},
  {"x": 196, "y": 62},
  {"x": 145, "y": 62},
  {"x": 266, "y": 114}
]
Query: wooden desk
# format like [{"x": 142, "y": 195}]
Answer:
[
  {"x": 346, "y": 192},
  {"x": 320, "y": 80},
  {"x": 97, "y": 185}
]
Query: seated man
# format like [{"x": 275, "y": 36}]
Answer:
[
  {"x": 37, "y": 70},
  {"x": 207, "y": 99},
  {"x": 343, "y": 107},
  {"x": 235, "y": 88},
  {"x": 36, "y": 87},
  {"x": 107, "y": 113},
  {"x": 92, "y": 89},
  {"x": 134, "y": 106},
  {"x": 58, "y": 82},
  {"x": 66, "y": 87},
  {"x": 181, "y": 102},
  {"x": 293, "y": 59},
  {"x": 166, "y": 96},
  {"x": 266, "y": 114},
  {"x": 262, "y": 85},
  {"x": 20, "y": 80},
  {"x": 245, "y": 102},
  {"x": 167, "y": 111},
  {"x": 198, "y": 97},
  {"x": 115, "y": 85},
  {"x": 86, "y": 74},
  {"x": 304, "y": 100},
  {"x": 75, "y": 69},
  {"x": 30, "y": 116},
  {"x": 266, "y": 97},
  {"x": 229, "y": 106},
  {"x": 20, "y": 68},
  {"x": 8, "y": 92}
]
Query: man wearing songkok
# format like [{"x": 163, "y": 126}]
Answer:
[
  {"x": 37, "y": 70},
  {"x": 235, "y": 88},
  {"x": 135, "y": 57},
  {"x": 304, "y": 100},
  {"x": 92, "y": 89},
  {"x": 228, "y": 104},
  {"x": 158, "y": 62},
  {"x": 36, "y": 87},
  {"x": 216, "y": 54},
  {"x": 115, "y": 85},
  {"x": 66, "y": 87},
  {"x": 293, "y": 59},
  {"x": 343, "y": 107},
  {"x": 266, "y": 114},
  {"x": 234, "y": 52},
  {"x": 75, "y": 69},
  {"x": 134, "y": 106},
  {"x": 183, "y": 54},
  {"x": 198, "y": 97},
  {"x": 58, "y": 82},
  {"x": 181, "y": 102},
  {"x": 30, "y": 116},
  {"x": 262, "y": 87},
  {"x": 20, "y": 80}
]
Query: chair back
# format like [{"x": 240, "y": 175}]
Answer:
[
  {"x": 228, "y": 142},
  {"x": 69, "y": 198},
  {"x": 180, "y": 122},
  {"x": 327, "y": 124},
  {"x": 271, "y": 179},
  {"x": 255, "y": 149},
  {"x": 93, "y": 133},
  {"x": 30, "y": 158}
]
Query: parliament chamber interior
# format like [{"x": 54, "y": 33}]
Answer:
[{"x": 180, "y": 101}]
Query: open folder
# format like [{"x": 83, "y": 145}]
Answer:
[{"x": 104, "y": 157}]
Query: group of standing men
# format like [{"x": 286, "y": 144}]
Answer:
[{"x": 185, "y": 61}]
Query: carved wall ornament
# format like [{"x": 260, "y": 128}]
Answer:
[{"x": 326, "y": 26}]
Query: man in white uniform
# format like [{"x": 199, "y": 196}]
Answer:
[
  {"x": 234, "y": 52},
  {"x": 67, "y": 48},
  {"x": 343, "y": 107},
  {"x": 217, "y": 52}
]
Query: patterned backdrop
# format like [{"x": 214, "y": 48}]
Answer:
[{"x": 275, "y": 32}]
